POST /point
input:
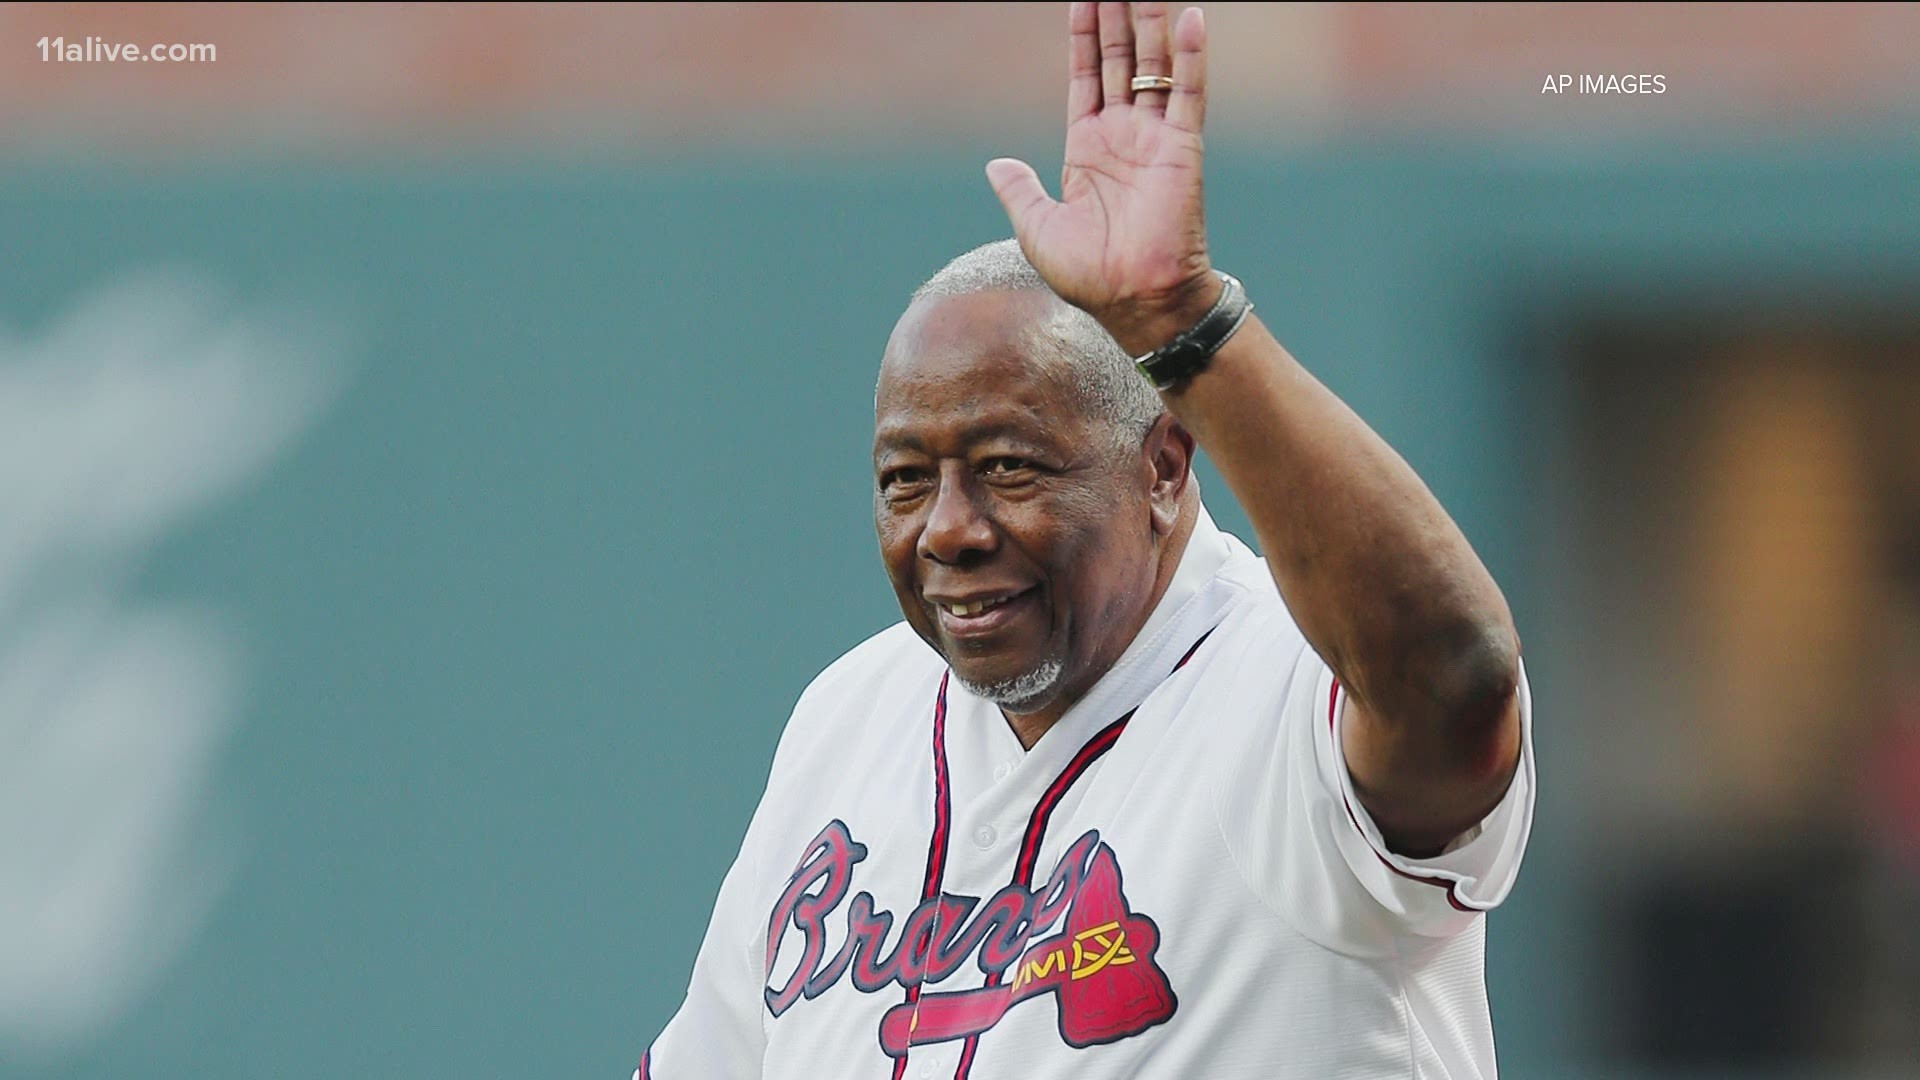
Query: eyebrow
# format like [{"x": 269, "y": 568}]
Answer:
[{"x": 897, "y": 438}]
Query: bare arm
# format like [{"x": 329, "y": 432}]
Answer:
[{"x": 1379, "y": 578}]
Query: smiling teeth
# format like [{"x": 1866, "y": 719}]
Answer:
[{"x": 974, "y": 609}]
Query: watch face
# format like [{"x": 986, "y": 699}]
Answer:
[{"x": 1177, "y": 361}]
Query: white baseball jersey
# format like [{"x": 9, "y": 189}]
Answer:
[{"x": 1177, "y": 880}]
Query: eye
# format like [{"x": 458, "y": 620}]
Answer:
[
  {"x": 902, "y": 482},
  {"x": 1006, "y": 468}
]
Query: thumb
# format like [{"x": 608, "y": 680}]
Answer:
[{"x": 1020, "y": 192}]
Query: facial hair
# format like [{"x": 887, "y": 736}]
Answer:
[{"x": 1021, "y": 690}]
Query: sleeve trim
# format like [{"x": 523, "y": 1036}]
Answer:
[{"x": 1451, "y": 881}]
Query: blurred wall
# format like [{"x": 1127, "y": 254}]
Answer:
[
  {"x": 666, "y": 78},
  {"x": 545, "y": 490}
]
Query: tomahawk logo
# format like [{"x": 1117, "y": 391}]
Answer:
[{"x": 1098, "y": 967}]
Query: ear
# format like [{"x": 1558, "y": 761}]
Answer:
[{"x": 1167, "y": 462}]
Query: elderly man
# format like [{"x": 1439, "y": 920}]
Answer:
[{"x": 1120, "y": 798}]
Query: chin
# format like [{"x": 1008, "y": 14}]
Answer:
[{"x": 1020, "y": 693}]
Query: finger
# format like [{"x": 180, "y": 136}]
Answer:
[
  {"x": 1021, "y": 193},
  {"x": 1187, "y": 108},
  {"x": 1150, "y": 52},
  {"x": 1116, "y": 54},
  {"x": 1083, "y": 61}
]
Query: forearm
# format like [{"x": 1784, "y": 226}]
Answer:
[{"x": 1380, "y": 580}]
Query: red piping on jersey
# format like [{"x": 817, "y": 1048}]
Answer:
[
  {"x": 1037, "y": 830},
  {"x": 937, "y": 846},
  {"x": 1188, "y": 655},
  {"x": 644, "y": 1072},
  {"x": 1333, "y": 707}
]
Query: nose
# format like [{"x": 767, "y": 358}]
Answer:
[{"x": 956, "y": 531}]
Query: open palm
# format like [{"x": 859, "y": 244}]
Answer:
[{"x": 1127, "y": 239}]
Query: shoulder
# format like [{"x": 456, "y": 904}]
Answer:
[
  {"x": 891, "y": 665},
  {"x": 1259, "y": 617},
  {"x": 856, "y": 705},
  {"x": 892, "y": 655}
]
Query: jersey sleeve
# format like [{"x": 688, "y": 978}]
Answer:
[
  {"x": 1310, "y": 848},
  {"x": 717, "y": 1030}
]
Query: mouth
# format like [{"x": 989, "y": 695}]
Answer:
[{"x": 982, "y": 614}]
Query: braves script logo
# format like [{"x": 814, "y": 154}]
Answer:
[{"x": 1099, "y": 965}]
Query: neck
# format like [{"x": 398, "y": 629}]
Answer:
[{"x": 1028, "y": 727}]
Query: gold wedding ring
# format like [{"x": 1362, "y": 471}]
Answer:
[{"x": 1151, "y": 82}]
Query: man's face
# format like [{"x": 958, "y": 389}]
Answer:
[{"x": 1019, "y": 538}]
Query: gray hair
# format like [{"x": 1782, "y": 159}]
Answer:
[{"x": 1111, "y": 386}]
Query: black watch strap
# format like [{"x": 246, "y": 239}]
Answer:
[{"x": 1188, "y": 354}]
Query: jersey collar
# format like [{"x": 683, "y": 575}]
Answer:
[{"x": 1206, "y": 553}]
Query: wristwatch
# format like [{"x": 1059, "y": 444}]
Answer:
[{"x": 1189, "y": 353}]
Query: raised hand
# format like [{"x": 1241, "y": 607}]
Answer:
[{"x": 1127, "y": 241}]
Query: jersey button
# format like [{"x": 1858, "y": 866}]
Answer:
[
  {"x": 1002, "y": 771},
  {"x": 984, "y": 836}
]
